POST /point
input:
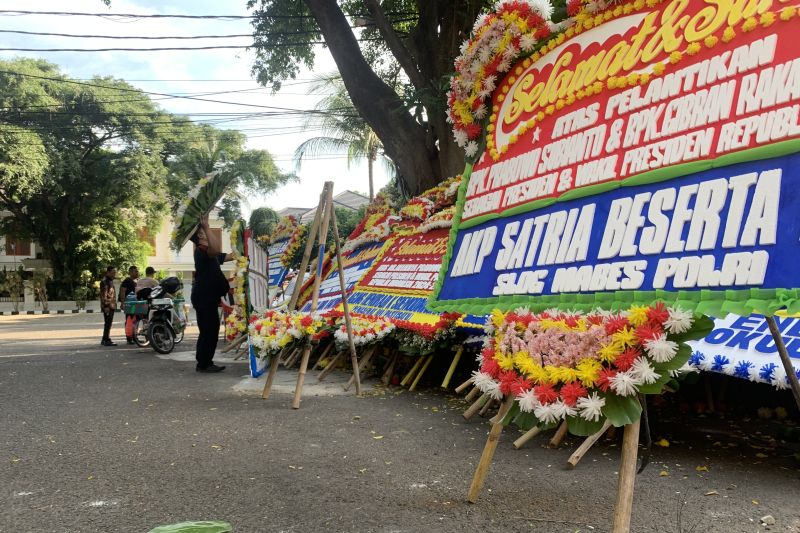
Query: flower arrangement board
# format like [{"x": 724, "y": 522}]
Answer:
[
  {"x": 743, "y": 347},
  {"x": 638, "y": 151},
  {"x": 260, "y": 270},
  {"x": 355, "y": 263},
  {"x": 277, "y": 269},
  {"x": 401, "y": 279}
]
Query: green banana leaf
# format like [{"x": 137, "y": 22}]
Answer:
[{"x": 202, "y": 204}]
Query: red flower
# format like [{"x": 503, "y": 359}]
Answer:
[
  {"x": 507, "y": 381},
  {"x": 570, "y": 392},
  {"x": 490, "y": 366},
  {"x": 625, "y": 360},
  {"x": 658, "y": 313},
  {"x": 603, "y": 381},
  {"x": 306, "y": 321},
  {"x": 573, "y": 7},
  {"x": 615, "y": 324},
  {"x": 595, "y": 319},
  {"x": 648, "y": 331},
  {"x": 258, "y": 327},
  {"x": 545, "y": 393}
]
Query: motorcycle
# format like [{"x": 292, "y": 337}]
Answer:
[{"x": 160, "y": 322}]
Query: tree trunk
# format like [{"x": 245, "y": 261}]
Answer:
[
  {"x": 404, "y": 140},
  {"x": 370, "y": 163}
]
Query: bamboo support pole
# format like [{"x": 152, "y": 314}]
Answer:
[
  {"x": 471, "y": 395},
  {"x": 342, "y": 286},
  {"x": 627, "y": 477},
  {"x": 370, "y": 351},
  {"x": 461, "y": 388},
  {"x": 273, "y": 369},
  {"x": 235, "y": 343},
  {"x": 561, "y": 432},
  {"x": 387, "y": 375},
  {"x": 323, "y": 355},
  {"x": 784, "y": 355},
  {"x": 301, "y": 375},
  {"x": 528, "y": 435},
  {"x": 421, "y": 371},
  {"x": 291, "y": 359},
  {"x": 488, "y": 452},
  {"x": 324, "y": 201},
  {"x": 331, "y": 365},
  {"x": 306, "y": 256},
  {"x": 578, "y": 454},
  {"x": 476, "y": 406},
  {"x": 453, "y": 365},
  {"x": 411, "y": 372},
  {"x": 488, "y": 405}
]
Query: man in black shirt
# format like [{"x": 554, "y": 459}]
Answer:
[
  {"x": 209, "y": 285},
  {"x": 108, "y": 304},
  {"x": 128, "y": 286}
]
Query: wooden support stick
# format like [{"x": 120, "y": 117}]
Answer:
[
  {"x": 301, "y": 375},
  {"x": 578, "y": 454},
  {"x": 323, "y": 355},
  {"x": 306, "y": 255},
  {"x": 488, "y": 452},
  {"x": 345, "y": 305},
  {"x": 421, "y": 371},
  {"x": 461, "y": 388},
  {"x": 453, "y": 366},
  {"x": 273, "y": 369},
  {"x": 292, "y": 357},
  {"x": 475, "y": 407},
  {"x": 235, "y": 343},
  {"x": 387, "y": 375},
  {"x": 627, "y": 477},
  {"x": 471, "y": 395},
  {"x": 784, "y": 355},
  {"x": 328, "y": 369},
  {"x": 559, "y": 436},
  {"x": 485, "y": 409},
  {"x": 528, "y": 435},
  {"x": 412, "y": 372},
  {"x": 370, "y": 351}
]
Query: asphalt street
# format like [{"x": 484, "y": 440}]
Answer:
[{"x": 97, "y": 439}]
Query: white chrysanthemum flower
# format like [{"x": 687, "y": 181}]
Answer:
[
  {"x": 591, "y": 407},
  {"x": 460, "y": 136},
  {"x": 481, "y": 112},
  {"x": 490, "y": 83},
  {"x": 528, "y": 401},
  {"x": 779, "y": 380},
  {"x": 706, "y": 363},
  {"x": 660, "y": 349},
  {"x": 543, "y": 7},
  {"x": 679, "y": 320},
  {"x": 480, "y": 21},
  {"x": 484, "y": 55},
  {"x": 504, "y": 65},
  {"x": 624, "y": 384},
  {"x": 644, "y": 372},
  {"x": 463, "y": 48},
  {"x": 522, "y": 311},
  {"x": 546, "y": 413},
  {"x": 556, "y": 27},
  {"x": 482, "y": 380},
  {"x": 471, "y": 149},
  {"x": 527, "y": 42},
  {"x": 563, "y": 410}
]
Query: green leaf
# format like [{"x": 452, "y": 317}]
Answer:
[
  {"x": 684, "y": 352},
  {"x": 583, "y": 428},
  {"x": 195, "y": 527},
  {"x": 655, "y": 388},
  {"x": 510, "y": 414},
  {"x": 525, "y": 421},
  {"x": 622, "y": 410}
]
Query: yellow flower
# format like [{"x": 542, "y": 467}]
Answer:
[
  {"x": 588, "y": 371},
  {"x": 787, "y": 13},
  {"x": 644, "y": 77},
  {"x": 710, "y": 41},
  {"x": 638, "y": 4},
  {"x": 637, "y": 315},
  {"x": 693, "y": 48},
  {"x": 767, "y": 19},
  {"x": 505, "y": 361},
  {"x": 658, "y": 69},
  {"x": 611, "y": 82},
  {"x": 625, "y": 337},
  {"x": 609, "y": 352},
  {"x": 750, "y": 24},
  {"x": 498, "y": 318},
  {"x": 728, "y": 35},
  {"x": 675, "y": 56}
]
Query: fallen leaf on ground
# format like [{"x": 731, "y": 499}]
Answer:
[
  {"x": 362, "y": 470},
  {"x": 378, "y": 437},
  {"x": 712, "y": 493},
  {"x": 135, "y": 400},
  {"x": 761, "y": 455},
  {"x": 663, "y": 473},
  {"x": 702, "y": 468},
  {"x": 664, "y": 443}
]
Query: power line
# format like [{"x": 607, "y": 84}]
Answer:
[
  {"x": 149, "y": 37},
  {"x": 162, "y": 15},
  {"x": 172, "y": 48}
]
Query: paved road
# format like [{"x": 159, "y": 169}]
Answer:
[{"x": 107, "y": 440}]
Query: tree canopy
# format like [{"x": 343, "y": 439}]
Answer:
[
  {"x": 85, "y": 166},
  {"x": 395, "y": 66}
]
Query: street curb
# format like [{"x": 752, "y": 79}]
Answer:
[{"x": 58, "y": 312}]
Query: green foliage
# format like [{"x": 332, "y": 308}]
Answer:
[
  {"x": 262, "y": 221},
  {"x": 11, "y": 283}
]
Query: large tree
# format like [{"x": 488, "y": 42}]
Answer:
[
  {"x": 84, "y": 166},
  {"x": 414, "y": 41}
]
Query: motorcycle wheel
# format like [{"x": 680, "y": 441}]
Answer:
[
  {"x": 140, "y": 333},
  {"x": 162, "y": 337}
]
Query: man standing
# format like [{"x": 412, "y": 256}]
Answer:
[
  {"x": 209, "y": 285},
  {"x": 127, "y": 287},
  {"x": 148, "y": 283},
  {"x": 108, "y": 303}
]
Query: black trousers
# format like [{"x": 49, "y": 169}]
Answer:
[
  {"x": 208, "y": 323},
  {"x": 108, "y": 316}
]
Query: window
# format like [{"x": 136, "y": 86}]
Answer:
[{"x": 16, "y": 246}]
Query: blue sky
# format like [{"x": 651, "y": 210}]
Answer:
[{"x": 218, "y": 65}]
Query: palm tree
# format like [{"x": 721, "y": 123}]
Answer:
[{"x": 343, "y": 129}]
